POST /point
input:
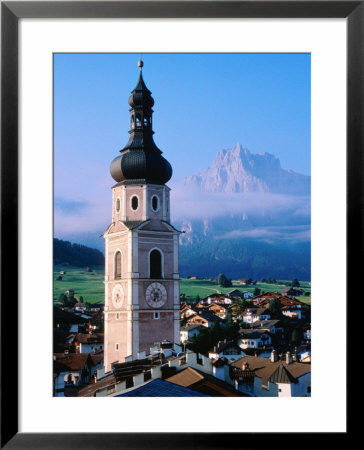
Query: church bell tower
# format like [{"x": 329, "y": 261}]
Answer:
[{"x": 142, "y": 304}]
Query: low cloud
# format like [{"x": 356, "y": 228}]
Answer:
[
  {"x": 298, "y": 233},
  {"x": 187, "y": 203},
  {"x": 80, "y": 216}
]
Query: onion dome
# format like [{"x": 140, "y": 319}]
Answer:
[{"x": 141, "y": 161}]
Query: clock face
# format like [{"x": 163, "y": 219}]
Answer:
[
  {"x": 117, "y": 295},
  {"x": 156, "y": 295}
]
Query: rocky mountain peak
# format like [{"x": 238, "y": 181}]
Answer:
[{"x": 238, "y": 170}]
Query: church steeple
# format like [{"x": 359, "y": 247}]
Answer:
[
  {"x": 141, "y": 160},
  {"x": 141, "y": 246}
]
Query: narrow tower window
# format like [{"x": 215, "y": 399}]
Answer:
[
  {"x": 155, "y": 203},
  {"x": 134, "y": 203},
  {"x": 117, "y": 206},
  {"x": 117, "y": 266},
  {"x": 155, "y": 264},
  {"x": 137, "y": 120},
  {"x": 145, "y": 121}
]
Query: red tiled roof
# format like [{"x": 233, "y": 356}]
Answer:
[
  {"x": 264, "y": 368},
  {"x": 70, "y": 361}
]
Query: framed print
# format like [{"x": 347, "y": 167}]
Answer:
[{"x": 32, "y": 33}]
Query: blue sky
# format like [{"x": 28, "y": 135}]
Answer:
[{"x": 203, "y": 103}]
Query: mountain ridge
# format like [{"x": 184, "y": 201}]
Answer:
[{"x": 237, "y": 170}]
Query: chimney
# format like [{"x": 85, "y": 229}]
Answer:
[
  {"x": 273, "y": 356},
  {"x": 288, "y": 358}
]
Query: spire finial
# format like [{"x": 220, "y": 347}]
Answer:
[{"x": 140, "y": 63}]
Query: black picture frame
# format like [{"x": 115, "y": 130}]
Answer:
[{"x": 11, "y": 12}]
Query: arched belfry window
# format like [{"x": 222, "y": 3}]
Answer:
[
  {"x": 155, "y": 264},
  {"x": 145, "y": 121},
  {"x": 117, "y": 266},
  {"x": 137, "y": 120}
]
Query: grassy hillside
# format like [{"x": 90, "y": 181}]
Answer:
[
  {"x": 192, "y": 288},
  {"x": 90, "y": 285}
]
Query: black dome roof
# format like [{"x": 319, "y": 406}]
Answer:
[{"x": 138, "y": 166}]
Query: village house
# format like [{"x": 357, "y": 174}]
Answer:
[
  {"x": 97, "y": 363},
  {"x": 88, "y": 343},
  {"x": 253, "y": 338},
  {"x": 302, "y": 353},
  {"x": 188, "y": 331},
  {"x": 235, "y": 294},
  {"x": 216, "y": 298},
  {"x": 70, "y": 370},
  {"x": 271, "y": 326},
  {"x": 292, "y": 292},
  {"x": 264, "y": 299},
  {"x": 189, "y": 311},
  {"x": 79, "y": 307},
  {"x": 293, "y": 312},
  {"x": 252, "y": 315},
  {"x": 96, "y": 321},
  {"x": 263, "y": 377},
  {"x": 226, "y": 349},
  {"x": 207, "y": 319},
  {"x": 218, "y": 309}
]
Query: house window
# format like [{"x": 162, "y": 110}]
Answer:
[
  {"x": 155, "y": 203},
  {"x": 134, "y": 203},
  {"x": 148, "y": 375},
  {"x": 156, "y": 315},
  {"x": 117, "y": 347},
  {"x": 117, "y": 273},
  {"x": 110, "y": 389},
  {"x": 155, "y": 264},
  {"x": 129, "y": 382}
]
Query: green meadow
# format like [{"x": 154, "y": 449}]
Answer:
[
  {"x": 90, "y": 285},
  {"x": 203, "y": 288}
]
